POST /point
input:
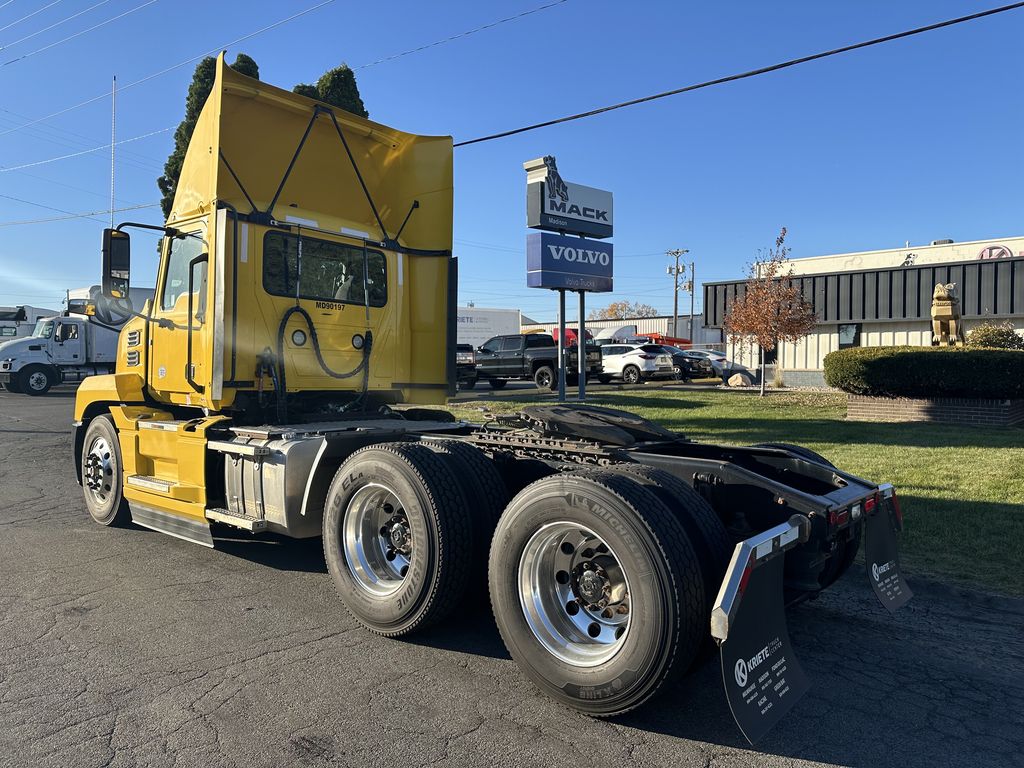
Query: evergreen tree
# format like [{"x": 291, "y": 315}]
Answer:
[
  {"x": 338, "y": 88},
  {"x": 198, "y": 91},
  {"x": 307, "y": 90}
]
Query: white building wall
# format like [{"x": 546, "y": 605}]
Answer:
[
  {"x": 808, "y": 354},
  {"x": 915, "y": 254}
]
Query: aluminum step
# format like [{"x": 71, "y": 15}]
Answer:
[{"x": 245, "y": 522}]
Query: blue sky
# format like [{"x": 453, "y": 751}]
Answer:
[{"x": 914, "y": 140}]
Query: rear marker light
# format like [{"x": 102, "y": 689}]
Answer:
[
  {"x": 838, "y": 517},
  {"x": 897, "y": 510}
]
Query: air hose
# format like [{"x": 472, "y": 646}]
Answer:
[{"x": 280, "y": 384}]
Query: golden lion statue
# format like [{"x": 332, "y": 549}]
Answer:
[{"x": 946, "y": 329}]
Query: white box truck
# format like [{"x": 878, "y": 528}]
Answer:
[
  {"x": 67, "y": 347},
  {"x": 20, "y": 320}
]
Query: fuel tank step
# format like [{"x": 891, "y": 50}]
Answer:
[{"x": 245, "y": 522}]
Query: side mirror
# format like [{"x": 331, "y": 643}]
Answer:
[{"x": 117, "y": 263}]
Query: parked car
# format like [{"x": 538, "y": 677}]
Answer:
[
  {"x": 634, "y": 363},
  {"x": 691, "y": 359},
  {"x": 526, "y": 356},
  {"x": 465, "y": 366},
  {"x": 687, "y": 366}
]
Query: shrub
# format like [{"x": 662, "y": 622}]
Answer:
[
  {"x": 995, "y": 336},
  {"x": 927, "y": 372}
]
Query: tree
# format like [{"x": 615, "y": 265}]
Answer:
[
  {"x": 198, "y": 92},
  {"x": 772, "y": 308},
  {"x": 338, "y": 88},
  {"x": 623, "y": 310},
  {"x": 995, "y": 336}
]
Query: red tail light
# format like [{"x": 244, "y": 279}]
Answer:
[
  {"x": 746, "y": 577},
  {"x": 648, "y": 357},
  {"x": 838, "y": 517},
  {"x": 870, "y": 504},
  {"x": 897, "y": 510}
]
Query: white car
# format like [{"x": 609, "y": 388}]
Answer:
[{"x": 634, "y": 363}]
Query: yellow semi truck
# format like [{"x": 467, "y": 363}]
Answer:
[{"x": 305, "y": 299}]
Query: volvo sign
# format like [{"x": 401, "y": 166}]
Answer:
[
  {"x": 560, "y": 206},
  {"x": 568, "y": 263}
]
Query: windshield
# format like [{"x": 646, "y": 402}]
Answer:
[{"x": 43, "y": 329}]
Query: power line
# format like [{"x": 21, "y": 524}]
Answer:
[
  {"x": 55, "y": 24},
  {"x": 5, "y": 169},
  {"x": 461, "y": 35},
  {"x": 73, "y": 140},
  {"x": 169, "y": 69},
  {"x": 78, "y": 34},
  {"x": 29, "y": 16},
  {"x": 87, "y": 215},
  {"x": 748, "y": 74}
]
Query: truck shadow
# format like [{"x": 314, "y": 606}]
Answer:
[{"x": 274, "y": 551}]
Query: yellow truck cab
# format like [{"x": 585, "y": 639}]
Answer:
[{"x": 306, "y": 287}]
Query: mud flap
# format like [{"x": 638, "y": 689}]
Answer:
[
  {"x": 760, "y": 671},
  {"x": 881, "y": 553}
]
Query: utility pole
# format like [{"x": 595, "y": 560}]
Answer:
[
  {"x": 676, "y": 272},
  {"x": 692, "y": 282}
]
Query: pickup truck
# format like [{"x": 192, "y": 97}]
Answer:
[{"x": 526, "y": 356}]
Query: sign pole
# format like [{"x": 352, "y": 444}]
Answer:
[
  {"x": 581, "y": 348},
  {"x": 561, "y": 345}
]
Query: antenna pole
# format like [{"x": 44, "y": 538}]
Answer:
[{"x": 113, "y": 141}]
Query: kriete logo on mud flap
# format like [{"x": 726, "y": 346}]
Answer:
[
  {"x": 878, "y": 571},
  {"x": 744, "y": 667}
]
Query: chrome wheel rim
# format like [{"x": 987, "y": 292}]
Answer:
[
  {"x": 37, "y": 381},
  {"x": 574, "y": 594},
  {"x": 631, "y": 376},
  {"x": 378, "y": 540},
  {"x": 99, "y": 471},
  {"x": 544, "y": 379}
]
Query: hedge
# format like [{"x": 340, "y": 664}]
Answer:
[{"x": 927, "y": 372}]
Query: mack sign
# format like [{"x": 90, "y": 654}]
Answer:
[
  {"x": 571, "y": 263},
  {"x": 561, "y": 206}
]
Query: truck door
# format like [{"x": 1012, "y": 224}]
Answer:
[
  {"x": 169, "y": 335},
  {"x": 511, "y": 357},
  {"x": 487, "y": 358},
  {"x": 68, "y": 342}
]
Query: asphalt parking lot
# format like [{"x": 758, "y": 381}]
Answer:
[{"x": 125, "y": 647}]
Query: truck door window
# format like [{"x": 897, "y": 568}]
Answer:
[
  {"x": 511, "y": 344},
  {"x": 490, "y": 346},
  {"x": 67, "y": 332},
  {"x": 176, "y": 275},
  {"x": 329, "y": 271}
]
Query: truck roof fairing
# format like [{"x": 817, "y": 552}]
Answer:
[{"x": 249, "y": 135}]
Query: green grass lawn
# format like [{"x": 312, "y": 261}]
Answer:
[{"x": 961, "y": 488}]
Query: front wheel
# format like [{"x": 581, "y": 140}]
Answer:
[
  {"x": 36, "y": 379},
  {"x": 596, "y": 590},
  {"x": 12, "y": 385},
  {"x": 102, "y": 469},
  {"x": 497, "y": 383},
  {"x": 544, "y": 377},
  {"x": 467, "y": 384}
]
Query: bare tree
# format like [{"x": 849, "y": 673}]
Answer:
[
  {"x": 623, "y": 310},
  {"x": 772, "y": 308}
]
